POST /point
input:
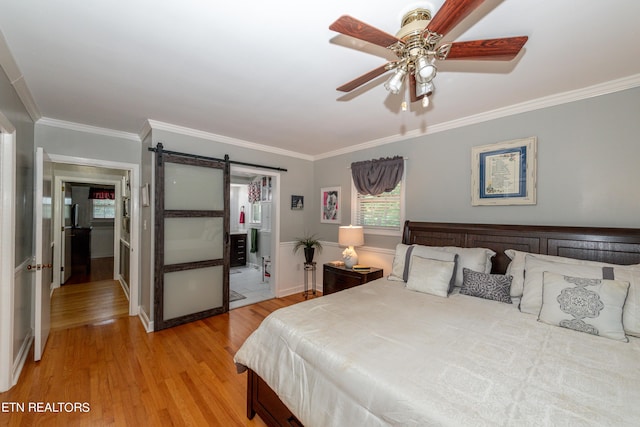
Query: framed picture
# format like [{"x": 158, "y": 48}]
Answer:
[
  {"x": 297, "y": 203},
  {"x": 504, "y": 173},
  {"x": 330, "y": 205}
]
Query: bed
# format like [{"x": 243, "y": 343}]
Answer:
[{"x": 383, "y": 354}]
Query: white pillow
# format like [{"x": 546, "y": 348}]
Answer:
[
  {"x": 627, "y": 273},
  {"x": 593, "y": 306},
  {"x": 397, "y": 268},
  {"x": 531, "y": 300},
  {"x": 631, "y": 311},
  {"x": 476, "y": 259},
  {"x": 516, "y": 266},
  {"x": 432, "y": 252},
  {"x": 430, "y": 276}
]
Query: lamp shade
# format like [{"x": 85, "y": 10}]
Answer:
[{"x": 351, "y": 236}]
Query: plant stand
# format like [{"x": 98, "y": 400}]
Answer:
[{"x": 309, "y": 267}]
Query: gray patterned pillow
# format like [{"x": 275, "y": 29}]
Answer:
[
  {"x": 484, "y": 285},
  {"x": 586, "y": 305}
]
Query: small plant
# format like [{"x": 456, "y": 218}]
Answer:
[{"x": 307, "y": 242}]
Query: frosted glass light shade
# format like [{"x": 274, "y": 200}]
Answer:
[
  {"x": 394, "y": 84},
  {"x": 425, "y": 71}
]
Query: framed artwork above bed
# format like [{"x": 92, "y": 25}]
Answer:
[{"x": 504, "y": 173}]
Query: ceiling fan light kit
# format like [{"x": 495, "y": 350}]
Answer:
[
  {"x": 394, "y": 84},
  {"x": 417, "y": 47}
]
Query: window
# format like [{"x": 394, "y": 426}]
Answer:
[
  {"x": 381, "y": 214},
  {"x": 104, "y": 209},
  {"x": 256, "y": 213}
]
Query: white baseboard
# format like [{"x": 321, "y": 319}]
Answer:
[
  {"x": 148, "y": 324},
  {"x": 124, "y": 286},
  {"x": 21, "y": 358}
]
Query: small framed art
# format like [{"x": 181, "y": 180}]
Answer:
[
  {"x": 504, "y": 173},
  {"x": 297, "y": 203},
  {"x": 330, "y": 205}
]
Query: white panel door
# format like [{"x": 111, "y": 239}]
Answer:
[{"x": 43, "y": 249}]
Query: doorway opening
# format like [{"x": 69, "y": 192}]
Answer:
[
  {"x": 95, "y": 264},
  {"x": 91, "y": 287},
  {"x": 254, "y": 228}
]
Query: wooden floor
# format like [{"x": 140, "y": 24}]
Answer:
[
  {"x": 89, "y": 298},
  {"x": 101, "y": 269},
  {"x": 119, "y": 375},
  {"x": 86, "y": 303}
]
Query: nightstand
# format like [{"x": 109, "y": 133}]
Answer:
[{"x": 336, "y": 278}]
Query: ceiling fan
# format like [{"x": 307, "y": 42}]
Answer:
[{"x": 417, "y": 46}]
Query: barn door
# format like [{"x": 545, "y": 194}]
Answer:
[{"x": 192, "y": 233}]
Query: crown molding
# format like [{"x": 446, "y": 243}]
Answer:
[
  {"x": 154, "y": 124},
  {"x": 79, "y": 127},
  {"x": 536, "y": 104},
  {"x": 11, "y": 69}
]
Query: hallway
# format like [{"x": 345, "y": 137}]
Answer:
[{"x": 89, "y": 299}]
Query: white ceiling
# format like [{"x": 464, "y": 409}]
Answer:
[{"x": 266, "y": 71}]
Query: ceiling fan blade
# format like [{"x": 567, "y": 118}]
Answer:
[
  {"x": 451, "y": 13},
  {"x": 348, "y": 87},
  {"x": 503, "y": 49},
  {"x": 360, "y": 30}
]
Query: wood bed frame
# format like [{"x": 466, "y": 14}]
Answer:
[{"x": 612, "y": 245}]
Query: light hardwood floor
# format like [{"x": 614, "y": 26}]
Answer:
[
  {"x": 86, "y": 303},
  {"x": 88, "y": 298},
  {"x": 127, "y": 377}
]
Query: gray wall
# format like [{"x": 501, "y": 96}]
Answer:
[
  {"x": 146, "y": 232},
  {"x": 587, "y": 171},
  {"x": 86, "y": 145}
]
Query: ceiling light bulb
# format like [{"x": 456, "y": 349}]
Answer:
[
  {"x": 394, "y": 84},
  {"x": 404, "y": 105},
  {"x": 425, "y": 70},
  {"x": 425, "y": 101}
]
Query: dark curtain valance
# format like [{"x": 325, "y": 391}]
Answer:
[
  {"x": 373, "y": 177},
  {"x": 101, "y": 193}
]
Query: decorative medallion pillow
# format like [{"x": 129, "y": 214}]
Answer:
[
  {"x": 488, "y": 286},
  {"x": 593, "y": 306}
]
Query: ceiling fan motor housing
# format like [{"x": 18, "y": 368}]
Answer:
[{"x": 412, "y": 26}]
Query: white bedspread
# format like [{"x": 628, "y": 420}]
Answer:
[{"x": 379, "y": 354}]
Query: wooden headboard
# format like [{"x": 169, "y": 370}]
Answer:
[{"x": 612, "y": 245}]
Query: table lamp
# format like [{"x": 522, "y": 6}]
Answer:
[{"x": 350, "y": 236}]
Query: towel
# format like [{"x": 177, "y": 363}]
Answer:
[{"x": 254, "y": 240}]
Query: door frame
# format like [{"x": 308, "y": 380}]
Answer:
[
  {"x": 275, "y": 220},
  {"x": 134, "y": 253},
  {"x": 43, "y": 248},
  {"x": 8, "y": 373},
  {"x": 59, "y": 244}
]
